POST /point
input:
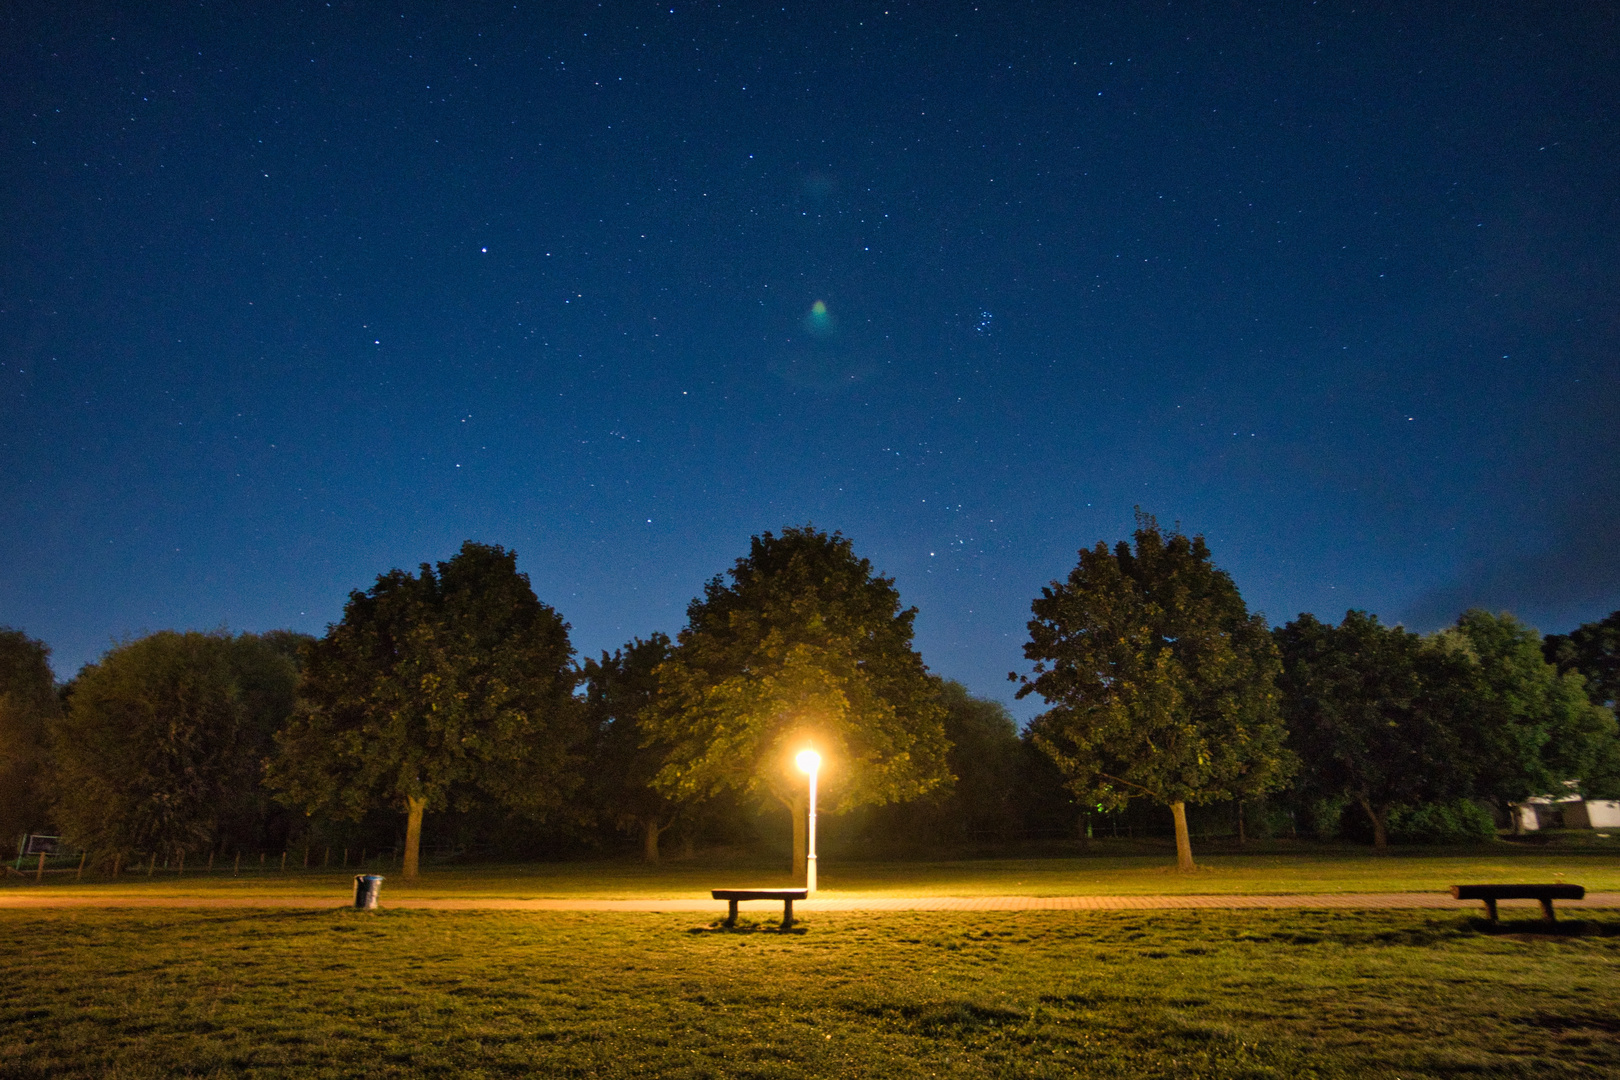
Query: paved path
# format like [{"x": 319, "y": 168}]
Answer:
[{"x": 1353, "y": 901}]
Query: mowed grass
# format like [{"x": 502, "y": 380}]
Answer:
[
  {"x": 1132, "y": 870},
  {"x": 121, "y": 994}
]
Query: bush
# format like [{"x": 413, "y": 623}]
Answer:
[{"x": 1458, "y": 822}]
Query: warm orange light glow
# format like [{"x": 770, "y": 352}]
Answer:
[{"x": 809, "y": 761}]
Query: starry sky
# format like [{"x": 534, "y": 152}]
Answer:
[{"x": 292, "y": 296}]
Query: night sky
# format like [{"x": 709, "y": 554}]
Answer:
[{"x": 292, "y": 297}]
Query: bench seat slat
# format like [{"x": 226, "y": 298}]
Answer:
[{"x": 759, "y": 894}]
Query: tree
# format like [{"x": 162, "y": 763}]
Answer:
[
  {"x": 804, "y": 646},
  {"x": 28, "y": 705},
  {"x": 986, "y": 799},
  {"x": 619, "y": 690},
  {"x": 1530, "y": 728},
  {"x": 1593, "y": 650},
  {"x": 160, "y": 746},
  {"x": 436, "y": 691},
  {"x": 1159, "y": 681},
  {"x": 1370, "y": 713},
  {"x": 985, "y": 759}
]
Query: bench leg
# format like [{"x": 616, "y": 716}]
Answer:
[
  {"x": 787, "y": 913},
  {"x": 1546, "y": 909},
  {"x": 731, "y": 918},
  {"x": 1490, "y": 907}
]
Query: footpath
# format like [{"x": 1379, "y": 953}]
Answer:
[{"x": 850, "y": 902}]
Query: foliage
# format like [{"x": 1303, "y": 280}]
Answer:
[
  {"x": 803, "y": 646},
  {"x": 1370, "y": 713},
  {"x": 443, "y": 689},
  {"x": 619, "y": 690},
  {"x": 28, "y": 704},
  {"x": 986, "y": 802},
  {"x": 160, "y": 746},
  {"x": 984, "y": 758},
  {"x": 1529, "y": 729},
  {"x": 1593, "y": 650},
  {"x": 1456, "y": 821},
  {"x": 1159, "y": 681}
]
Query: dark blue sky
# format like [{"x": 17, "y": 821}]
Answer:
[{"x": 291, "y": 298}]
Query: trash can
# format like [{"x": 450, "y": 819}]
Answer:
[{"x": 366, "y": 888}]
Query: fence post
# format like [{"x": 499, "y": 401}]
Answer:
[
  {"x": 326, "y": 859},
  {"x": 180, "y": 867},
  {"x": 345, "y": 858},
  {"x": 152, "y": 865},
  {"x": 83, "y": 855},
  {"x": 283, "y": 862},
  {"x": 210, "y": 860},
  {"x": 306, "y": 856},
  {"x": 118, "y": 857},
  {"x": 261, "y": 860},
  {"x": 237, "y": 869},
  {"x": 39, "y": 874}
]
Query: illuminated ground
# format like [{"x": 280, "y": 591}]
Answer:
[
  {"x": 1039, "y": 993},
  {"x": 1280, "y": 869}
]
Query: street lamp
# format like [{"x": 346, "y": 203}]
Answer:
[{"x": 809, "y": 762}]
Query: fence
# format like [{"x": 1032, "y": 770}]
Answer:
[{"x": 146, "y": 864}]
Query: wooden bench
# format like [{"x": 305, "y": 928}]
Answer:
[
  {"x": 1544, "y": 893},
  {"x": 787, "y": 896}
]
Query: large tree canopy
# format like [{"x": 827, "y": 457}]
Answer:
[
  {"x": 1530, "y": 729},
  {"x": 1593, "y": 650},
  {"x": 28, "y": 704},
  {"x": 438, "y": 690},
  {"x": 160, "y": 746},
  {"x": 803, "y": 646},
  {"x": 1159, "y": 681},
  {"x": 1372, "y": 712}
]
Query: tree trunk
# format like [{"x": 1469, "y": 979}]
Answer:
[
  {"x": 413, "y": 836},
  {"x": 1243, "y": 837},
  {"x": 799, "y": 808},
  {"x": 1184, "y": 859},
  {"x": 649, "y": 844},
  {"x": 1380, "y": 834}
]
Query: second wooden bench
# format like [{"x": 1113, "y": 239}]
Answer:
[{"x": 1544, "y": 893}]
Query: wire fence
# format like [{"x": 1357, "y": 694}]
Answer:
[{"x": 33, "y": 867}]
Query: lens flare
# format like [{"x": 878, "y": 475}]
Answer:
[{"x": 819, "y": 323}]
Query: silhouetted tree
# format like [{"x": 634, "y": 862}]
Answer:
[
  {"x": 1159, "y": 681},
  {"x": 440, "y": 690},
  {"x": 1593, "y": 650},
  {"x": 28, "y": 705},
  {"x": 624, "y": 756}
]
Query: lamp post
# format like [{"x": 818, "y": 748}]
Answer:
[{"x": 810, "y": 763}]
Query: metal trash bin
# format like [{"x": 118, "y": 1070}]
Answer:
[{"x": 366, "y": 889}]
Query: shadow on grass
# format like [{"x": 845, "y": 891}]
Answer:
[
  {"x": 1541, "y": 928},
  {"x": 751, "y": 926}
]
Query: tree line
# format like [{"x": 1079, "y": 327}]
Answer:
[{"x": 455, "y": 693}]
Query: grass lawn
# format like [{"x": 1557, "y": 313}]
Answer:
[
  {"x": 124, "y": 994},
  {"x": 1117, "y": 869}
]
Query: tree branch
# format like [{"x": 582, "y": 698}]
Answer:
[{"x": 1138, "y": 787}]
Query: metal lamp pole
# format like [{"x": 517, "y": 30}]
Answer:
[{"x": 810, "y": 762}]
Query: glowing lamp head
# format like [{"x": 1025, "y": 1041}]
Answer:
[{"x": 809, "y": 761}]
